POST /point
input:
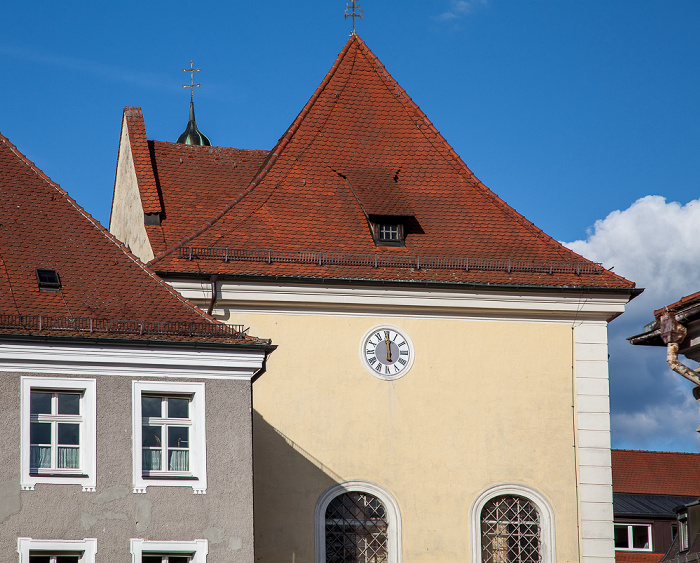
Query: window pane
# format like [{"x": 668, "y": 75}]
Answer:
[
  {"x": 640, "y": 537},
  {"x": 69, "y": 434},
  {"x": 39, "y": 558},
  {"x": 69, "y": 458},
  {"x": 510, "y": 531},
  {"x": 178, "y": 437},
  {"x": 67, "y": 559},
  {"x": 40, "y": 433},
  {"x": 151, "y": 437},
  {"x": 178, "y": 460},
  {"x": 151, "y": 407},
  {"x": 356, "y": 529},
  {"x": 621, "y": 540},
  {"x": 40, "y": 457},
  {"x": 150, "y": 460},
  {"x": 151, "y": 559},
  {"x": 178, "y": 559},
  {"x": 40, "y": 403},
  {"x": 178, "y": 408},
  {"x": 68, "y": 403}
]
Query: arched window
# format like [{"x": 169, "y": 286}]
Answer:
[
  {"x": 512, "y": 523},
  {"x": 357, "y": 522}
]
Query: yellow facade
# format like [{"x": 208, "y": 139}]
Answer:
[{"x": 485, "y": 402}]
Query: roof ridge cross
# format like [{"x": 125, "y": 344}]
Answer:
[
  {"x": 352, "y": 6},
  {"x": 191, "y": 85}
]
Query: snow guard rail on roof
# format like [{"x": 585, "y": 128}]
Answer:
[
  {"x": 121, "y": 326},
  {"x": 378, "y": 260}
]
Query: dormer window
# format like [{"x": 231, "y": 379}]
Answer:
[
  {"x": 387, "y": 230},
  {"x": 48, "y": 279}
]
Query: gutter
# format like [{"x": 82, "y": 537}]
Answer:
[{"x": 672, "y": 333}]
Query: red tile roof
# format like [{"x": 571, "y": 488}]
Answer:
[
  {"x": 359, "y": 147},
  {"x": 198, "y": 179},
  {"x": 102, "y": 284},
  {"x": 656, "y": 473},
  {"x": 637, "y": 557},
  {"x": 136, "y": 128}
]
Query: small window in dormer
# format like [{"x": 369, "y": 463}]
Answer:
[
  {"x": 48, "y": 279},
  {"x": 387, "y": 231}
]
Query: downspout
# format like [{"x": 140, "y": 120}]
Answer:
[
  {"x": 212, "y": 279},
  {"x": 672, "y": 334}
]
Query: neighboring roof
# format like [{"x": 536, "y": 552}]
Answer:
[
  {"x": 684, "y": 310},
  {"x": 105, "y": 290},
  {"x": 648, "y": 506},
  {"x": 362, "y": 147},
  {"x": 198, "y": 179},
  {"x": 656, "y": 473},
  {"x": 637, "y": 557}
]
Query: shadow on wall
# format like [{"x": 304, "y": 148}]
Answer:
[{"x": 287, "y": 482}]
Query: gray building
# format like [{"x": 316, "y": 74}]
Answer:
[{"x": 126, "y": 411}]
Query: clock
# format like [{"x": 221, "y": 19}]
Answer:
[{"x": 386, "y": 352}]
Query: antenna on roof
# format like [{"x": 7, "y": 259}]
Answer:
[
  {"x": 191, "y": 85},
  {"x": 352, "y": 6}
]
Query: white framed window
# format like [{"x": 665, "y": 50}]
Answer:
[
  {"x": 683, "y": 533},
  {"x": 169, "y": 438},
  {"x": 357, "y": 521},
  {"x": 143, "y": 551},
  {"x": 56, "y": 551},
  {"x": 633, "y": 537},
  {"x": 511, "y": 522},
  {"x": 58, "y": 432}
]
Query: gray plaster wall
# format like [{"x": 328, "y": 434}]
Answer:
[{"x": 114, "y": 514}]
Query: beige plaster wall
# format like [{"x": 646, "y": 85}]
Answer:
[
  {"x": 126, "y": 219},
  {"x": 484, "y": 403},
  {"x": 114, "y": 514}
]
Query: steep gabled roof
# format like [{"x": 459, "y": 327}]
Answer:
[
  {"x": 360, "y": 147},
  {"x": 656, "y": 473},
  {"x": 104, "y": 290}
]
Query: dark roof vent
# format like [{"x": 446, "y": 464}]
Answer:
[{"x": 48, "y": 279}]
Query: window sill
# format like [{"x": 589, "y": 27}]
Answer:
[{"x": 60, "y": 475}]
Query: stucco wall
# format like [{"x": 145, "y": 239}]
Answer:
[
  {"x": 484, "y": 403},
  {"x": 114, "y": 514},
  {"x": 126, "y": 219}
]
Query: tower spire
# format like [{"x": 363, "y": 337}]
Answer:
[{"x": 192, "y": 135}]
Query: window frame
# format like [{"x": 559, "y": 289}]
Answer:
[
  {"x": 86, "y": 475},
  {"x": 630, "y": 541},
  {"x": 393, "y": 517},
  {"x": 199, "y": 549},
  {"x": 547, "y": 536},
  {"x": 196, "y": 477},
  {"x": 87, "y": 546}
]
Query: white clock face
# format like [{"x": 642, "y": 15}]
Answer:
[{"x": 386, "y": 352}]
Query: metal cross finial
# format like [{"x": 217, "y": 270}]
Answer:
[
  {"x": 352, "y": 6},
  {"x": 191, "y": 85}
]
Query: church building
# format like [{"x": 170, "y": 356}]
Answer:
[{"x": 439, "y": 390}]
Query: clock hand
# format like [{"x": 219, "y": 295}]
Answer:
[{"x": 388, "y": 346}]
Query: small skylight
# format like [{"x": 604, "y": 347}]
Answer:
[{"x": 48, "y": 279}]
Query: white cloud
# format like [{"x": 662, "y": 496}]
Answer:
[
  {"x": 460, "y": 8},
  {"x": 656, "y": 244}
]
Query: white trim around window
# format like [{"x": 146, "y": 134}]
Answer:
[
  {"x": 198, "y": 549},
  {"x": 86, "y": 472},
  {"x": 391, "y": 507},
  {"x": 195, "y": 475},
  {"x": 513, "y": 489},
  {"x": 86, "y": 547}
]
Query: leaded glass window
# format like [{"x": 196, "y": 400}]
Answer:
[
  {"x": 510, "y": 531},
  {"x": 356, "y": 529}
]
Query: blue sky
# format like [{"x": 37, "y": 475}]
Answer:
[{"x": 574, "y": 112}]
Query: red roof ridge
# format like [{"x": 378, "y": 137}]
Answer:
[
  {"x": 141, "y": 156},
  {"x": 269, "y": 163},
  {"x": 109, "y": 236}
]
